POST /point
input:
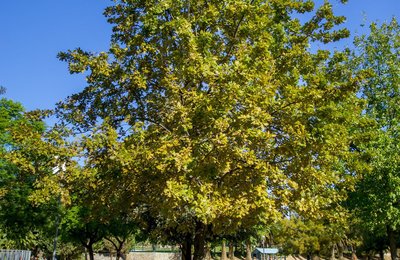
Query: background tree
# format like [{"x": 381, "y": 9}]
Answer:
[
  {"x": 327, "y": 238},
  {"x": 376, "y": 199},
  {"x": 21, "y": 220},
  {"x": 27, "y": 158},
  {"x": 80, "y": 228},
  {"x": 100, "y": 189}
]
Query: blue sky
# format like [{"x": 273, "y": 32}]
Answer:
[
  {"x": 33, "y": 32},
  {"x": 31, "y": 35}
]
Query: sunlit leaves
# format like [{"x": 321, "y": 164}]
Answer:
[{"x": 214, "y": 114}]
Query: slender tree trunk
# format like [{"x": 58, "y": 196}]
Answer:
[
  {"x": 208, "y": 252},
  {"x": 315, "y": 257},
  {"x": 353, "y": 253},
  {"x": 340, "y": 250},
  {"x": 333, "y": 252},
  {"x": 223, "y": 251},
  {"x": 90, "y": 251},
  {"x": 187, "y": 248},
  {"x": 199, "y": 242},
  {"x": 231, "y": 253},
  {"x": 119, "y": 246},
  {"x": 381, "y": 255},
  {"x": 392, "y": 242},
  {"x": 248, "y": 250},
  {"x": 120, "y": 253}
]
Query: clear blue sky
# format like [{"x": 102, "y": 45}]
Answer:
[{"x": 33, "y": 32}]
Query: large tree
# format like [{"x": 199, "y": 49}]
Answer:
[{"x": 226, "y": 119}]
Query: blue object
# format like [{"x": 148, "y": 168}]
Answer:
[{"x": 268, "y": 251}]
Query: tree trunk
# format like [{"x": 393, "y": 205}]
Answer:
[
  {"x": 118, "y": 247},
  {"x": 333, "y": 252},
  {"x": 381, "y": 255},
  {"x": 340, "y": 250},
  {"x": 121, "y": 254},
  {"x": 187, "y": 248},
  {"x": 90, "y": 251},
  {"x": 392, "y": 242},
  {"x": 315, "y": 257},
  {"x": 353, "y": 253},
  {"x": 231, "y": 253},
  {"x": 223, "y": 251},
  {"x": 199, "y": 242},
  {"x": 208, "y": 252},
  {"x": 248, "y": 250}
]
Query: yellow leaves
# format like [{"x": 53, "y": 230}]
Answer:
[
  {"x": 47, "y": 188},
  {"x": 292, "y": 184},
  {"x": 237, "y": 116},
  {"x": 204, "y": 204},
  {"x": 170, "y": 156},
  {"x": 216, "y": 205},
  {"x": 178, "y": 191},
  {"x": 3, "y": 191},
  {"x": 139, "y": 80}
]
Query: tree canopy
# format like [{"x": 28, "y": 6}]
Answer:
[
  {"x": 376, "y": 199},
  {"x": 208, "y": 121},
  {"x": 224, "y": 116}
]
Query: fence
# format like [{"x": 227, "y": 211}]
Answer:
[{"x": 14, "y": 254}]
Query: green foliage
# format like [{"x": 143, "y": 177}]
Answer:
[
  {"x": 28, "y": 156},
  {"x": 375, "y": 200},
  {"x": 299, "y": 236},
  {"x": 19, "y": 217},
  {"x": 99, "y": 204},
  {"x": 10, "y": 115},
  {"x": 377, "y": 195}
]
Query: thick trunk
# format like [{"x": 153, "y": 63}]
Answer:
[
  {"x": 231, "y": 253},
  {"x": 392, "y": 243},
  {"x": 248, "y": 250},
  {"x": 199, "y": 242},
  {"x": 187, "y": 248},
  {"x": 223, "y": 251}
]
